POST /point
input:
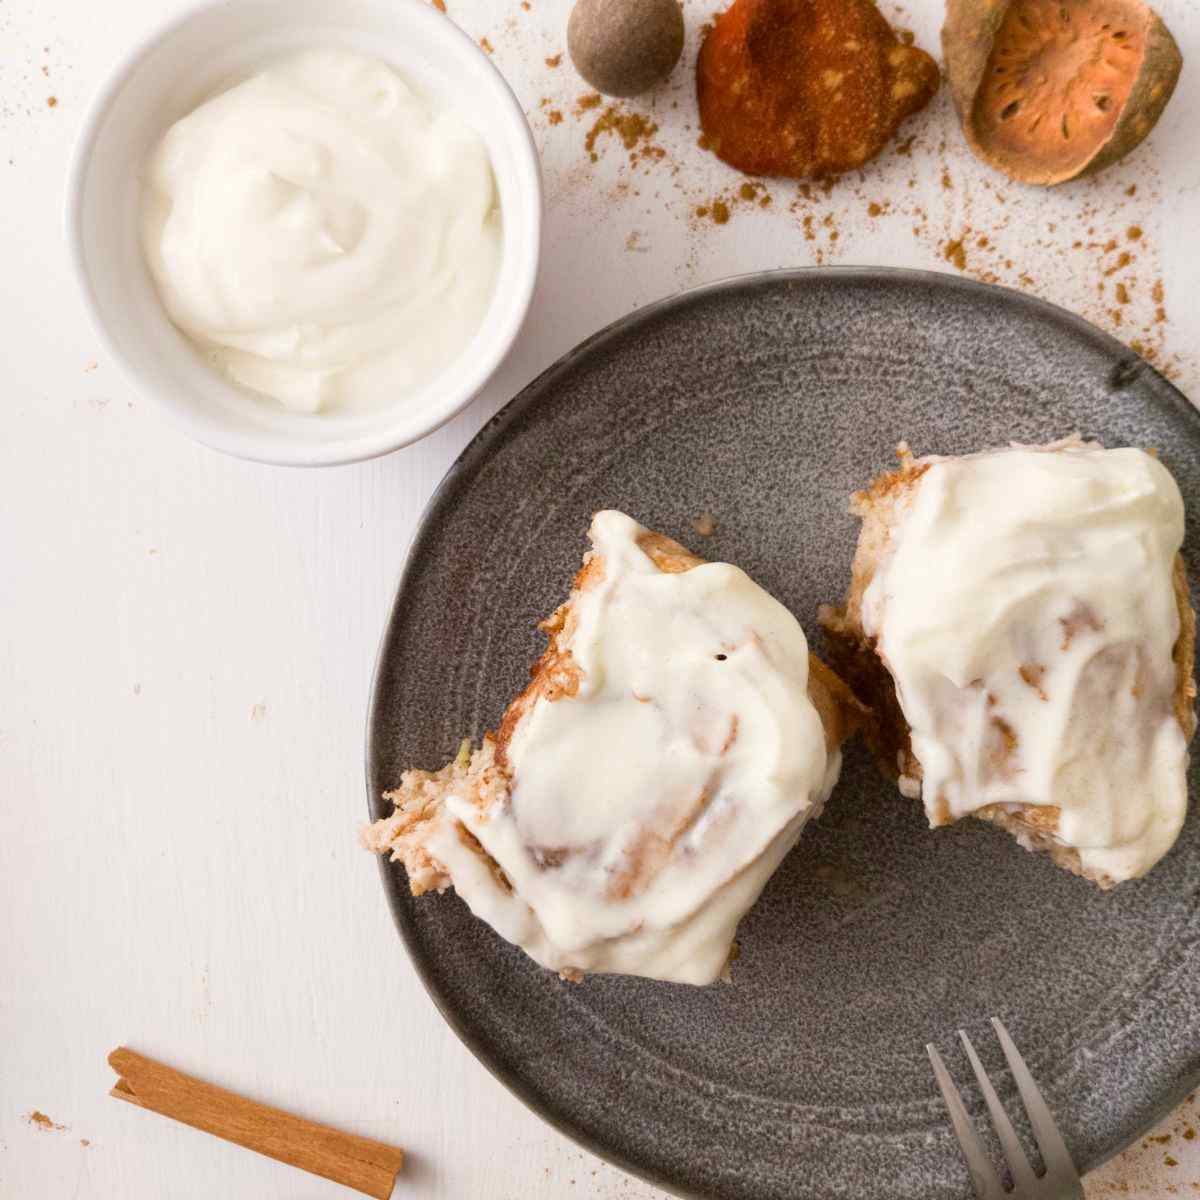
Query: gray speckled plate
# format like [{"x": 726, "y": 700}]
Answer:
[{"x": 767, "y": 400}]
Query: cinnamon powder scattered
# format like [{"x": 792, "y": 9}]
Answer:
[
  {"x": 39, "y": 1120},
  {"x": 721, "y": 207},
  {"x": 554, "y": 61},
  {"x": 954, "y": 252},
  {"x": 487, "y": 46},
  {"x": 634, "y": 130},
  {"x": 1123, "y": 260}
]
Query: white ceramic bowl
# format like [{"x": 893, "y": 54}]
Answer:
[{"x": 189, "y": 60}]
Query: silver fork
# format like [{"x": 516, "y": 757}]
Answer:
[{"x": 1060, "y": 1180}]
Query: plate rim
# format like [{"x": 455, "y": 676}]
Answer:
[{"x": 532, "y": 393}]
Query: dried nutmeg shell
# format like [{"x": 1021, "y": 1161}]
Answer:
[{"x": 1048, "y": 90}]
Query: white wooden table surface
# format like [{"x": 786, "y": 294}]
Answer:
[{"x": 186, "y": 641}]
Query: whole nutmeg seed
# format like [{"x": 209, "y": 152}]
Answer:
[{"x": 623, "y": 47}]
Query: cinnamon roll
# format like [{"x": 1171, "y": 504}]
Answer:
[
  {"x": 672, "y": 743},
  {"x": 1019, "y": 621}
]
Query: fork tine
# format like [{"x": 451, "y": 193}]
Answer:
[
  {"x": 1054, "y": 1150},
  {"x": 1022, "y": 1172},
  {"x": 987, "y": 1185}
]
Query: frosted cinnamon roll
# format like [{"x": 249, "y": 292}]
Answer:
[
  {"x": 672, "y": 743},
  {"x": 1019, "y": 621}
]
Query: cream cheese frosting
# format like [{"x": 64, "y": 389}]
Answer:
[
  {"x": 1025, "y": 609},
  {"x": 327, "y": 235},
  {"x": 646, "y": 811}
]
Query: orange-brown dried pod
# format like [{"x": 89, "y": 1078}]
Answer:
[
  {"x": 1048, "y": 90},
  {"x": 806, "y": 88}
]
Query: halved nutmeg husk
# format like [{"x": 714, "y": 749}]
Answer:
[{"x": 1048, "y": 90}]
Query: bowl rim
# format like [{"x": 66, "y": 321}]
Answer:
[{"x": 268, "y": 446}]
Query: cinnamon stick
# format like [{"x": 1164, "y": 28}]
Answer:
[{"x": 367, "y": 1166}]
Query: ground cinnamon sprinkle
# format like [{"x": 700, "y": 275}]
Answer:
[
  {"x": 718, "y": 211},
  {"x": 720, "y": 208},
  {"x": 1123, "y": 260},
  {"x": 591, "y": 100},
  {"x": 631, "y": 128},
  {"x": 954, "y": 252},
  {"x": 440, "y": 5},
  {"x": 39, "y": 1120},
  {"x": 1134, "y": 233},
  {"x": 554, "y": 61},
  {"x": 874, "y": 209},
  {"x": 487, "y": 46},
  {"x": 554, "y": 117}
]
